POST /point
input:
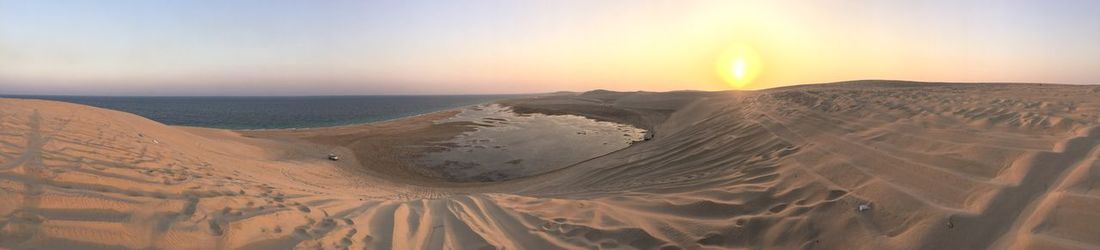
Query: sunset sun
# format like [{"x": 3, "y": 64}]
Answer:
[{"x": 738, "y": 66}]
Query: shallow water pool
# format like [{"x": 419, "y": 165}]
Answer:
[{"x": 507, "y": 145}]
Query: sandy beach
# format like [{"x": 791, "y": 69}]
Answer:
[{"x": 850, "y": 165}]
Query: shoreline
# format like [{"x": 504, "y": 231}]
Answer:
[
  {"x": 350, "y": 124},
  {"x": 420, "y": 135}
]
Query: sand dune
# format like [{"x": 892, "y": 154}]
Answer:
[{"x": 940, "y": 166}]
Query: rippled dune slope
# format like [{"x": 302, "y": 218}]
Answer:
[{"x": 938, "y": 166}]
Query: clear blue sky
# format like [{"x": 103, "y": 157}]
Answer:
[{"x": 153, "y": 47}]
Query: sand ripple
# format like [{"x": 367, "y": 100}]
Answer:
[{"x": 941, "y": 166}]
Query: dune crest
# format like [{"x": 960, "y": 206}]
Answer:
[{"x": 937, "y": 166}]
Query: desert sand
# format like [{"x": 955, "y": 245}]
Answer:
[{"x": 934, "y": 166}]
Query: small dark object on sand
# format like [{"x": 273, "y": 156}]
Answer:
[{"x": 333, "y": 157}]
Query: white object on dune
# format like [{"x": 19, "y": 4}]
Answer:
[
  {"x": 333, "y": 157},
  {"x": 863, "y": 207}
]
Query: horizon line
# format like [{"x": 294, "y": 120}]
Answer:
[{"x": 790, "y": 85}]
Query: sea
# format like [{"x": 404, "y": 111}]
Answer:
[{"x": 277, "y": 112}]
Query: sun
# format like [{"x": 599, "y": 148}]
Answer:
[
  {"x": 739, "y": 65},
  {"x": 738, "y": 68}
]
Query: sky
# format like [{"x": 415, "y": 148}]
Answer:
[{"x": 273, "y": 47}]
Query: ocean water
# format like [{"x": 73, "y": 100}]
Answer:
[{"x": 276, "y": 112}]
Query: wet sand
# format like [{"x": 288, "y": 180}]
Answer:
[{"x": 382, "y": 149}]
